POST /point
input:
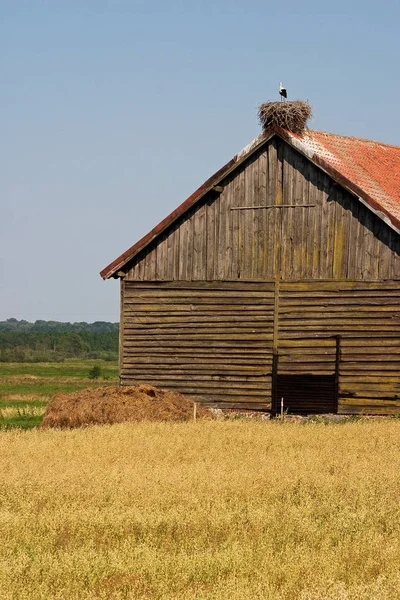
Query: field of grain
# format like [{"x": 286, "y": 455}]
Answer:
[{"x": 220, "y": 510}]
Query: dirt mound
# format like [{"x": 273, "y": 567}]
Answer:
[{"x": 118, "y": 404}]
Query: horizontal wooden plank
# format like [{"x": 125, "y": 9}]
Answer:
[
  {"x": 315, "y": 334},
  {"x": 201, "y": 296},
  {"x": 367, "y": 342},
  {"x": 306, "y": 368},
  {"x": 194, "y": 387},
  {"x": 214, "y": 337},
  {"x": 371, "y": 357},
  {"x": 306, "y": 358},
  {"x": 341, "y": 317},
  {"x": 307, "y": 353},
  {"x": 339, "y": 322},
  {"x": 311, "y": 342},
  {"x": 207, "y": 359},
  {"x": 373, "y": 377},
  {"x": 370, "y": 352},
  {"x": 204, "y": 343},
  {"x": 371, "y": 390},
  {"x": 171, "y": 318},
  {"x": 237, "y": 381},
  {"x": 338, "y": 285},
  {"x": 379, "y": 402},
  {"x": 187, "y": 319},
  {"x": 326, "y": 310},
  {"x": 234, "y": 329},
  {"x": 322, "y": 301},
  {"x": 132, "y": 308},
  {"x": 361, "y": 366},
  {"x": 213, "y": 353},
  {"x": 212, "y": 371},
  {"x": 210, "y": 300},
  {"x": 233, "y": 285}
]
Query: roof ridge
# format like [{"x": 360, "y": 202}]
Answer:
[{"x": 352, "y": 137}]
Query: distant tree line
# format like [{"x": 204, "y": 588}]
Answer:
[{"x": 51, "y": 341}]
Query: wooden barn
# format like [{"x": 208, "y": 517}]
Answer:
[{"x": 279, "y": 277}]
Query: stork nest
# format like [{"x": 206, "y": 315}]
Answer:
[{"x": 292, "y": 115}]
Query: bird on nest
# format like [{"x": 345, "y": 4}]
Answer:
[{"x": 282, "y": 91}]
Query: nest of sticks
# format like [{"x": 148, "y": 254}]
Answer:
[{"x": 292, "y": 115}]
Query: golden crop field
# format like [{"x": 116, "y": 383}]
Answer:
[{"x": 221, "y": 510}]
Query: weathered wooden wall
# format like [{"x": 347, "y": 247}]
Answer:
[
  {"x": 213, "y": 342},
  {"x": 333, "y": 236}
]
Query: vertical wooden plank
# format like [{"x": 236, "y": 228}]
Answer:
[
  {"x": 235, "y": 217},
  {"x": 279, "y": 239},
  {"x": 285, "y": 197},
  {"x": 367, "y": 244},
  {"x": 257, "y": 221},
  {"x": 376, "y": 247},
  {"x": 339, "y": 243},
  {"x": 262, "y": 221},
  {"x": 228, "y": 229},
  {"x": 199, "y": 244},
  {"x": 241, "y": 241},
  {"x": 140, "y": 268},
  {"x": 189, "y": 247},
  {"x": 151, "y": 260},
  {"x": 271, "y": 217},
  {"x": 221, "y": 235},
  {"x": 309, "y": 224},
  {"x": 247, "y": 220},
  {"x": 315, "y": 198},
  {"x": 162, "y": 257},
  {"x": 177, "y": 251},
  {"x": 211, "y": 246},
  {"x": 354, "y": 234},
  {"x": 330, "y": 216},
  {"x": 170, "y": 264},
  {"x": 299, "y": 234},
  {"x": 384, "y": 259},
  {"x": 183, "y": 249}
]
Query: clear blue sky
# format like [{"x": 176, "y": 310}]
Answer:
[{"x": 113, "y": 112}]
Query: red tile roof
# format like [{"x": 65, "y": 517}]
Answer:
[
  {"x": 373, "y": 167},
  {"x": 370, "y": 170}
]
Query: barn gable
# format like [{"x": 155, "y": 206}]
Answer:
[{"x": 276, "y": 202}]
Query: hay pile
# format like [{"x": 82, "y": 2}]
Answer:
[
  {"x": 292, "y": 116},
  {"x": 119, "y": 404}
]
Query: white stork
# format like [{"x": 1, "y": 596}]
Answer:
[{"x": 282, "y": 91}]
